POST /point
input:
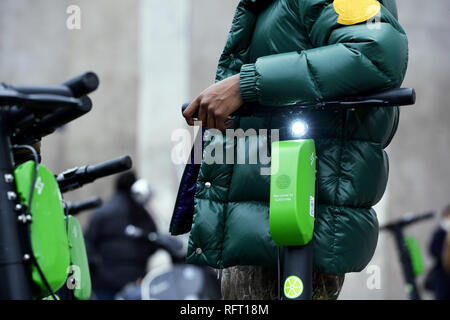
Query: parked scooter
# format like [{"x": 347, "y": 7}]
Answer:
[
  {"x": 408, "y": 250},
  {"x": 177, "y": 281},
  {"x": 41, "y": 245}
]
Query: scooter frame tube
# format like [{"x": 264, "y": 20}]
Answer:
[{"x": 15, "y": 284}]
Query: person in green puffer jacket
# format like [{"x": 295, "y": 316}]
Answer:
[{"x": 280, "y": 52}]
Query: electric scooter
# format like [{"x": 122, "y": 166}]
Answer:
[
  {"x": 177, "y": 281},
  {"x": 42, "y": 246},
  {"x": 293, "y": 185},
  {"x": 408, "y": 250}
]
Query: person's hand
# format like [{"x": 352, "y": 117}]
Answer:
[{"x": 216, "y": 103}]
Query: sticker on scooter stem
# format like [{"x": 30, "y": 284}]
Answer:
[{"x": 293, "y": 287}]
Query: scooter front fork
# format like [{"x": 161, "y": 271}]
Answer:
[{"x": 295, "y": 268}]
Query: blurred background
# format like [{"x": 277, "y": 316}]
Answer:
[{"x": 153, "y": 55}]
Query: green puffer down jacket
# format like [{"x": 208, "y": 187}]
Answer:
[{"x": 292, "y": 51}]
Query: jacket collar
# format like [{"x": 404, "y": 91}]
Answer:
[
  {"x": 242, "y": 26},
  {"x": 235, "y": 53}
]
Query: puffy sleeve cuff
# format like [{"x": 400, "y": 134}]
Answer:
[{"x": 249, "y": 92}]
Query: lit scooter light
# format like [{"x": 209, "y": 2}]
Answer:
[{"x": 299, "y": 128}]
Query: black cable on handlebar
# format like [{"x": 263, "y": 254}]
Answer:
[{"x": 77, "y": 177}]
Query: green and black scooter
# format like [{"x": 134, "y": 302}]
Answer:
[
  {"x": 408, "y": 249},
  {"x": 42, "y": 249},
  {"x": 293, "y": 186}
]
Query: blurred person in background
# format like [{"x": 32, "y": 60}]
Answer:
[
  {"x": 446, "y": 254},
  {"x": 117, "y": 259},
  {"x": 439, "y": 249}
]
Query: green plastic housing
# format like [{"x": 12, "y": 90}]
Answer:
[
  {"x": 292, "y": 192},
  {"x": 415, "y": 255},
  {"x": 80, "y": 266},
  {"x": 48, "y": 229}
]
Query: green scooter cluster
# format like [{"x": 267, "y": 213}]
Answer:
[{"x": 42, "y": 250}]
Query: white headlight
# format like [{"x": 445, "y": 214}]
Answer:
[{"x": 299, "y": 128}]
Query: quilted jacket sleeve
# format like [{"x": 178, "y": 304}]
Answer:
[{"x": 343, "y": 60}]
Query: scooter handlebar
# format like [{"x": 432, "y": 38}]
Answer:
[
  {"x": 77, "y": 207},
  {"x": 109, "y": 167},
  {"x": 40, "y": 102},
  {"x": 77, "y": 177},
  {"x": 26, "y": 133},
  {"x": 389, "y": 98},
  {"x": 76, "y": 87},
  {"x": 166, "y": 242},
  {"x": 392, "y": 98},
  {"x": 83, "y": 84},
  {"x": 418, "y": 217},
  {"x": 407, "y": 220}
]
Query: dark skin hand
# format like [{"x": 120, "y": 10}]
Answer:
[{"x": 216, "y": 103}]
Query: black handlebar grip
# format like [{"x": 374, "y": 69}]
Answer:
[
  {"x": 86, "y": 104},
  {"x": 76, "y": 87},
  {"x": 74, "y": 208},
  {"x": 184, "y": 107},
  {"x": 60, "y": 90},
  {"x": 393, "y": 97},
  {"x": 109, "y": 167},
  {"x": 64, "y": 116},
  {"x": 83, "y": 84}
]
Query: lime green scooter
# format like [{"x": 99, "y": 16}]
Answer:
[
  {"x": 41, "y": 246},
  {"x": 293, "y": 186},
  {"x": 293, "y": 194}
]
